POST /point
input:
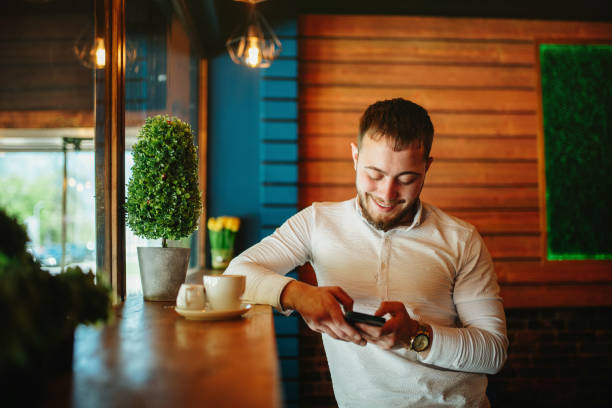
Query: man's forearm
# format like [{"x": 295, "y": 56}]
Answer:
[
  {"x": 479, "y": 347},
  {"x": 471, "y": 350},
  {"x": 262, "y": 285}
]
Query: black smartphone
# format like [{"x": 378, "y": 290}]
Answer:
[{"x": 356, "y": 317}]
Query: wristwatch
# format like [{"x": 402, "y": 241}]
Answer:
[{"x": 421, "y": 340}]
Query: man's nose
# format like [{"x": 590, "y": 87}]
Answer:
[{"x": 388, "y": 190}]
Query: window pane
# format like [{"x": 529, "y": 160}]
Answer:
[
  {"x": 46, "y": 127},
  {"x": 161, "y": 78}
]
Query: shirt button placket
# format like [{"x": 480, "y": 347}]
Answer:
[{"x": 383, "y": 268}]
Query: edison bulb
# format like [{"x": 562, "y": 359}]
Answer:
[
  {"x": 253, "y": 53},
  {"x": 100, "y": 53}
]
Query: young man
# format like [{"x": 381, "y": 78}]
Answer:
[{"x": 386, "y": 252}]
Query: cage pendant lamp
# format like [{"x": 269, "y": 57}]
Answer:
[{"x": 253, "y": 43}]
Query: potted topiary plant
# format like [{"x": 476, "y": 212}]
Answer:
[{"x": 163, "y": 201}]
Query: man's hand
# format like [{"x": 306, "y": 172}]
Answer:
[
  {"x": 320, "y": 309},
  {"x": 396, "y": 333}
]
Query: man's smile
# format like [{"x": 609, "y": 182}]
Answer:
[{"x": 382, "y": 206}]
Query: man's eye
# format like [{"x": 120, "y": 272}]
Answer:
[
  {"x": 407, "y": 182},
  {"x": 374, "y": 176}
]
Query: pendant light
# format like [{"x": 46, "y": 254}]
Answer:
[
  {"x": 90, "y": 51},
  {"x": 253, "y": 43}
]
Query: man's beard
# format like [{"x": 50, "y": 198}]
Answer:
[{"x": 384, "y": 225}]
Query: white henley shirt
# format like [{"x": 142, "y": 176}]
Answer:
[{"x": 438, "y": 267}]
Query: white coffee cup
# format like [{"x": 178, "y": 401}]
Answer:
[
  {"x": 224, "y": 291},
  {"x": 191, "y": 296}
]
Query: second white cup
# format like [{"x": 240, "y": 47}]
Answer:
[
  {"x": 224, "y": 291},
  {"x": 191, "y": 296}
]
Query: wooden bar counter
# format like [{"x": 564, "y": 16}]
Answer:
[{"x": 152, "y": 357}]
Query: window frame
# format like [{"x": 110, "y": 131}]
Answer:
[{"x": 109, "y": 141}]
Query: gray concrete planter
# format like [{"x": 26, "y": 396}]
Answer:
[{"x": 162, "y": 271}]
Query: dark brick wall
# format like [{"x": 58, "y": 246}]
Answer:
[
  {"x": 557, "y": 358},
  {"x": 315, "y": 381}
]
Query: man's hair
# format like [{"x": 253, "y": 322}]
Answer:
[{"x": 399, "y": 121}]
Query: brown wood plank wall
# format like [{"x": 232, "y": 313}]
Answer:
[
  {"x": 478, "y": 79},
  {"x": 40, "y": 70}
]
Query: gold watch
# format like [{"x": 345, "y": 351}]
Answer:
[{"x": 421, "y": 340}]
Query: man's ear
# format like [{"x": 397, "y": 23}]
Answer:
[
  {"x": 429, "y": 161},
  {"x": 355, "y": 154}
]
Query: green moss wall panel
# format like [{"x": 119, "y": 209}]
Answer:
[{"x": 577, "y": 118}]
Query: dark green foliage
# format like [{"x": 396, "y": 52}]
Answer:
[
  {"x": 577, "y": 105},
  {"x": 40, "y": 311},
  {"x": 163, "y": 197},
  {"x": 13, "y": 239}
]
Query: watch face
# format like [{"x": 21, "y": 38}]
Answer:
[{"x": 420, "y": 342}]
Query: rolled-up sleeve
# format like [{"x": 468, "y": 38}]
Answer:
[{"x": 266, "y": 263}]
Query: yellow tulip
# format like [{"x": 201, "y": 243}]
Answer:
[
  {"x": 234, "y": 224},
  {"x": 214, "y": 224},
  {"x": 219, "y": 224},
  {"x": 224, "y": 221}
]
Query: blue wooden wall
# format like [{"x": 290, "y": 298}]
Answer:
[{"x": 252, "y": 162}]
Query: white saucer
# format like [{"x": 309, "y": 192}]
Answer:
[{"x": 208, "y": 314}]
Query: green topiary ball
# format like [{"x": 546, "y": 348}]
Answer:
[{"x": 163, "y": 196}]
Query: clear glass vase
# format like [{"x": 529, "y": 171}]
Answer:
[{"x": 221, "y": 257}]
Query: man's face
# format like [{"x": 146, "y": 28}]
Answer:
[{"x": 388, "y": 182}]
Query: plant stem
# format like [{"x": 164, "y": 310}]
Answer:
[{"x": 164, "y": 243}]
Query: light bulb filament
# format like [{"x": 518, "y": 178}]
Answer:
[
  {"x": 100, "y": 53},
  {"x": 253, "y": 54}
]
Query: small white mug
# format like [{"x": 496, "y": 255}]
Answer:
[
  {"x": 191, "y": 296},
  {"x": 224, "y": 291}
]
